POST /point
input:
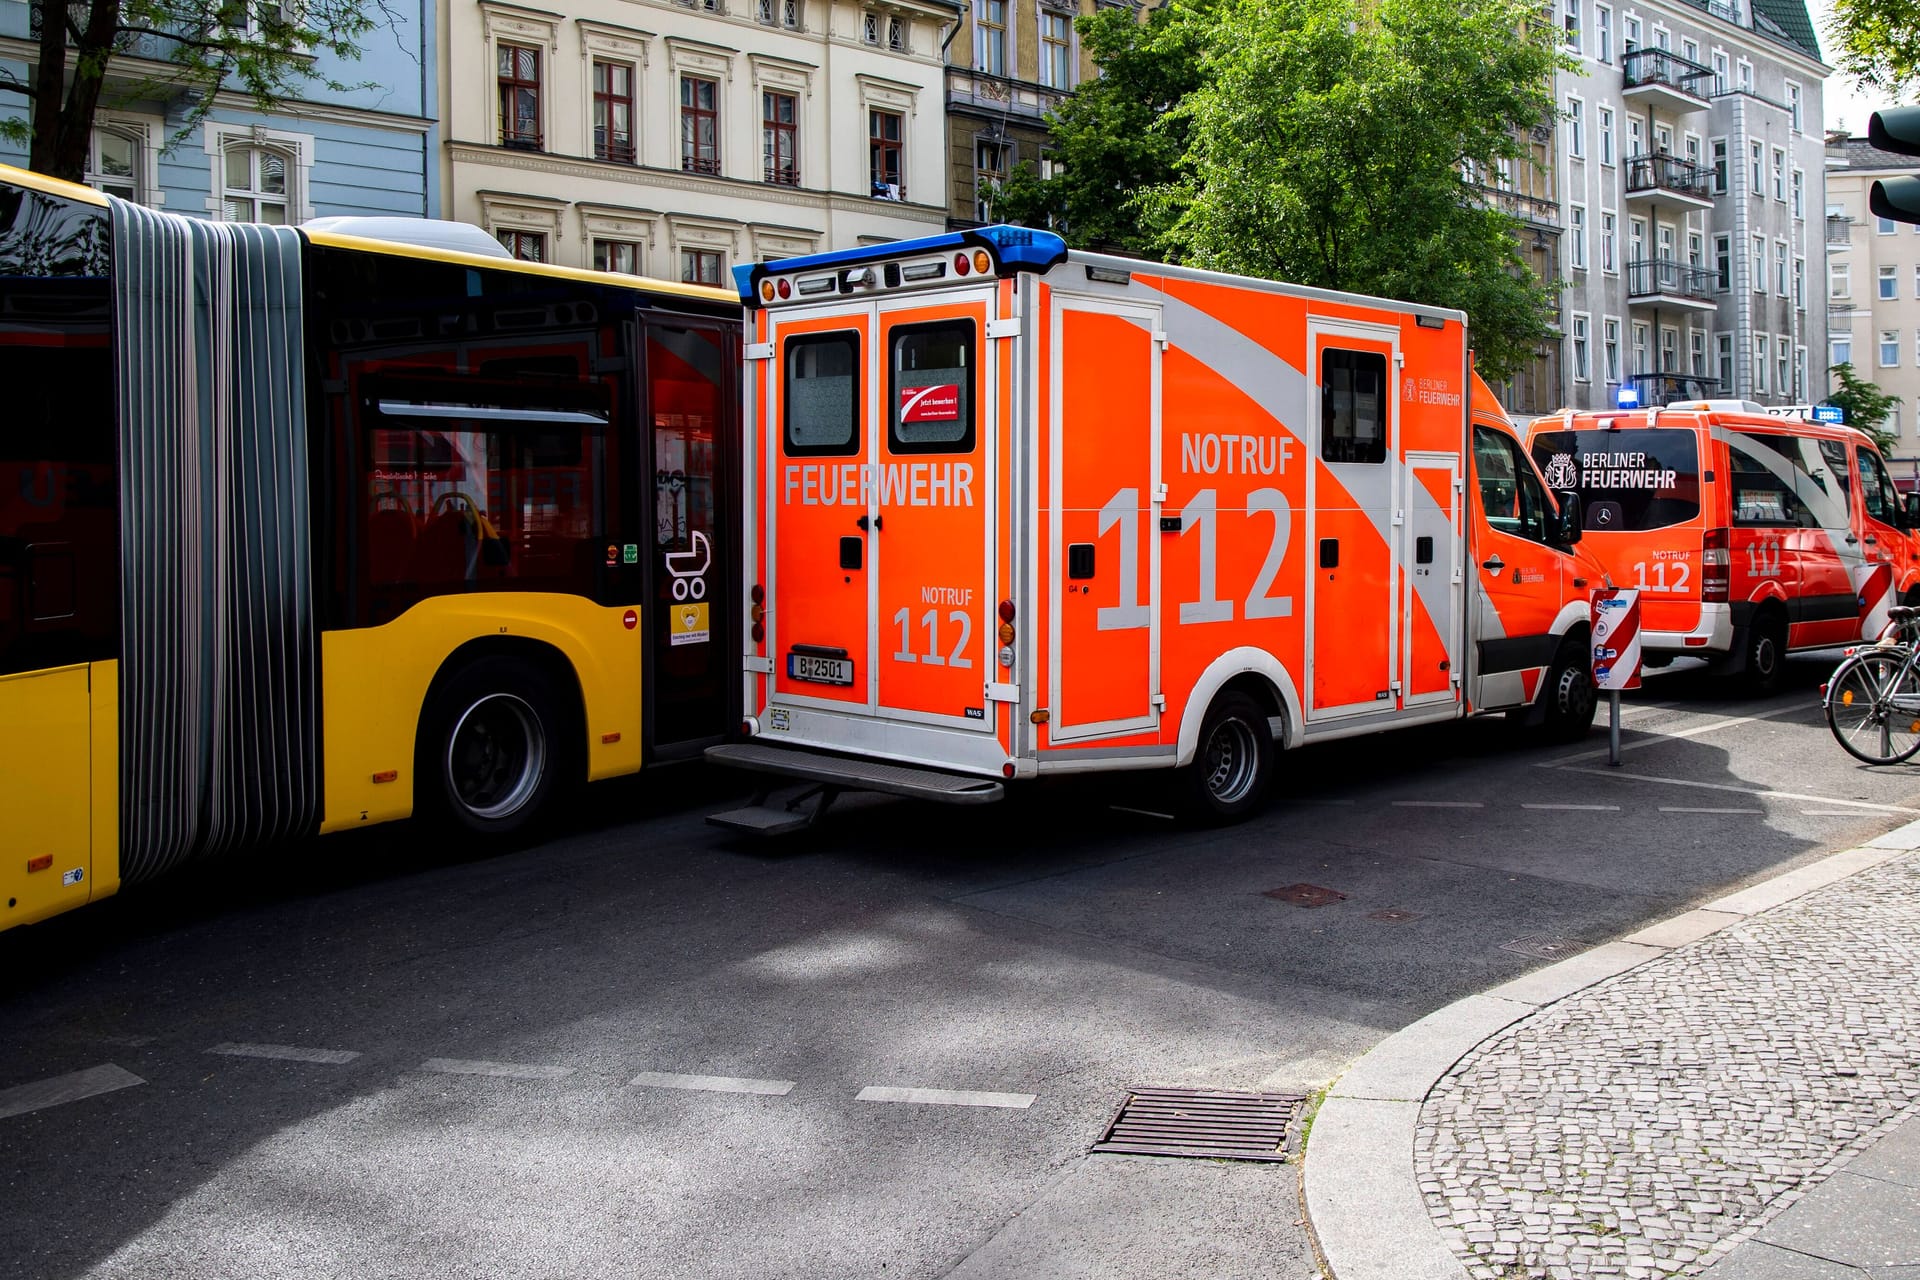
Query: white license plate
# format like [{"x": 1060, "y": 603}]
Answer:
[{"x": 804, "y": 666}]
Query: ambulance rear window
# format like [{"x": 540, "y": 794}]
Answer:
[
  {"x": 931, "y": 388},
  {"x": 822, "y": 395},
  {"x": 1628, "y": 480}
]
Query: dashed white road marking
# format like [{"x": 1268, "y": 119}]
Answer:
[
  {"x": 1583, "y": 808},
  {"x": 1745, "y": 791},
  {"x": 1656, "y": 736},
  {"x": 1831, "y": 813},
  {"x": 1438, "y": 804},
  {"x": 945, "y": 1097},
  {"x": 713, "y": 1084},
  {"x": 285, "y": 1052},
  {"x": 1683, "y": 808},
  {"x": 71, "y": 1087},
  {"x": 511, "y": 1070}
]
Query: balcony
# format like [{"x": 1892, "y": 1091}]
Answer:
[
  {"x": 1534, "y": 211},
  {"x": 1000, "y": 96},
  {"x": 1665, "y": 283},
  {"x": 1839, "y": 229},
  {"x": 783, "y": 175},
  {"x": 707, "y": 164},
  {"x": 1841, "y": 314},
  {"x": 617, "y": 148},
  {"x": 1666, "y": 388},
  {"x": 1670, "y": 179},
  {"x": 525, "y": 138},
  {"x": 1664, "y": 81}
]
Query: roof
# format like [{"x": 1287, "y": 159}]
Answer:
[
  {"x": 1858, "y": 153},
  {"x": 1785, "y": 21}
]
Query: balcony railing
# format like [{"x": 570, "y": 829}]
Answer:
[
  {"x": 709, "y": 165},
  {"x": 1646, "y": 68},
  {"x": 1665, "y": 278},
  {"x": 1001, "y": 95},
  {"x": 618, "y": 148},
  {"x": 1647, "y": 174},
  {"x": 1665, "y": 388},
  {"x": 524, "y": 139},
  {"x": 783, "y": 175},
  {"x": 1532, "y": 210},
  {"x": 1839, "y": 228}
]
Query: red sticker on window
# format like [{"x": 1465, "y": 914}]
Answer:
[{"x": 930, "y": 404}]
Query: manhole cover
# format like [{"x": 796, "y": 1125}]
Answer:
[
  {"x": 1541, "y": 946},
  {"x": 1306, "y": 895},
  {"x": 1208, "y": 1124},
  {"x": 1393, "y": 915}
]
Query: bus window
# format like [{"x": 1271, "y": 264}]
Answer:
[{"x": 931, "y": 388}]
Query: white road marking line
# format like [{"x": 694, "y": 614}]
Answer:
[
  {"x": 1145, "y": 813},
  {"x": 1583, "y": 808},
  {"x": 1438, "y": 804},
  {"x": 1745, "y": 791},
  {"x": 122, "y": 1042},
  {"x": 1656, "y": 736},
  {"x": 285, "y": 1052},
  {"x": 512, "y": 1070},
  {"x": 1831, "y": 813},
  {"x": 1681, "y": 808},
  {"x": 71, "y": 1087},
  {"x": 713, "y": 1084},
  {"x": 945, "y": 1097}
]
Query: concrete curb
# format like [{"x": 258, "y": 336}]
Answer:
[{"x": 1363, "y": 1203}]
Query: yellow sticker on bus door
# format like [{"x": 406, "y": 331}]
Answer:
[{"x": 688, "y": 623}]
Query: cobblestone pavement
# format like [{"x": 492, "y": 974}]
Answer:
[{"x": 1643, "y": 1127}]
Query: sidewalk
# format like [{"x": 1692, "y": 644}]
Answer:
[{"x": 1734, "y": 1092}]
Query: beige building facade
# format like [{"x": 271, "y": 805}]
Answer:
[
  {"x": 680, "y": 140},
  {"x": 1873, "y": 291}
]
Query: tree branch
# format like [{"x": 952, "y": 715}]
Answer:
[{"x": 224, "y": 46}]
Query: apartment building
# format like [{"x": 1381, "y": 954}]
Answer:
[
  {"x": 363, "y": 148},
  {"x": 1691, "y": 183},
  {"x": 679, "y": 138},
  {"x": 1873, "y": 291}
]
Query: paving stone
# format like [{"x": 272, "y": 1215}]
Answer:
[
  {"x": 1862, "y": 1222},
  {"x": 1756, "y": 1261}
]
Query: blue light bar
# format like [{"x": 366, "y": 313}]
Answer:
[
  {"x": 1829, "y": 413},
  {"x": 1628, "y": 397},
  {"x": 1013, "y": 249}
]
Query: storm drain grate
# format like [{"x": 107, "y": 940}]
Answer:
[
  {"x": 1208, "y": 1124},
  {"x": 1306, "y": 895},
  {"x": 1541, "y": 946}
]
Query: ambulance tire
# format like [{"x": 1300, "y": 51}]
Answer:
[
  {"x": 1232, "y": 768},
  {"x": 1568, "y": 698},
  {"x": 494, "y": 748},
  {"x": 1765, "y": 650}
]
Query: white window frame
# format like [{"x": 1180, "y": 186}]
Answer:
[
  {"x": 1884, "y": 226},
  {"x": 1758, "y": 369},
  {"x": 1603, "y": 32},
  {"x": 220, "y": 138},
  {"x": 1604, "y": 123},
  {"x": 1757, "y": 264},
  {"x": 1800, "y": 281},
  {"x": 1578, "y": 335},
  {"x": 1839, "y": 279},
  {"x": 1609, "y": 242},
  {"x": 1576, "y": 127},
  {"x": 142, "y": 131},
  {"x": 1570, "y": 17},
  {"x": 1042, "y": 13},
  {"x": 1577, "y": 238},
  {"x": 1796, "y": 116},
  {"x": 1799, "y": 200},
  {"x": 1887, "y": 284},
  {"x": 1721, "y": 82},
  {"x": 1610, "y": 348},
  {"x": 1719, "y": 165},
  {"x": 1723, "y": 361},
  {"x": 1889, "y": 342},
  {"x": 1839, "y": 349},
  {"x": 1745, "y": 80},
  {"x": 1723, "y": 248},
  {"x": 1782, "y": 281},
  {"x": 1780, "y": 174},
  {"x": 1783, "y": 364},
  {"x": 1757, "y": 169}
]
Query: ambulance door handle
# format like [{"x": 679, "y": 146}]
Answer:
[
  {"x": 1495, "y": 564},
  {"x": 1851, "y": 539},
  {"x": 1872, "y": 541}
]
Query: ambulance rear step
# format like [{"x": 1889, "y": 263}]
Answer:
[{"x": 831, "y": 775}]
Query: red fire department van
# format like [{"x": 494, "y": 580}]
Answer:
[
  {"x": 1014, "y": 511},
  {"x": 1749, "y": 534}
]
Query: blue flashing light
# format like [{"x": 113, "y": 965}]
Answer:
[
  {"x": 1011, "y": 246},
  {"x": 1829, "y": 413},
  {"x": 1628, "y": 397},
  {"x": 743, "y": 281}
]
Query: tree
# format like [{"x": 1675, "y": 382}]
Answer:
[
  {"x": 1330, "y": 143},
  {"x": 1877, "y": 42},
  {"x": 125, "y": 50},
  {"x": 1866, "y": 405},
  {"x": 1107, "y": 147}
]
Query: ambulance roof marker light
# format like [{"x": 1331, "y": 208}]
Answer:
[{"x": 1011, "y": 248}]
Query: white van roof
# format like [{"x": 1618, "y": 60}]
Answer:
[{"x": 428, "y": 233}]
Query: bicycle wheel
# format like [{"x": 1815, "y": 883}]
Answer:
[{"x": 1873, "y": 706}]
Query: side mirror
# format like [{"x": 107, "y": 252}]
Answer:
[{"x": 1573, "y": 519}]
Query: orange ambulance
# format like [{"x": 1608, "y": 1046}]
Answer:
[
  {"x": 1015, "y": 511},
  {"x": 1749, "y": 534}
]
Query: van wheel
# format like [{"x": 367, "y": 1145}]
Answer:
[
  {"x": 492, "y": 747},
  {"x": 1568, "y": 698},
  {"x": 1233, "y": 767},
  {"x": 1766, "y": 651}
]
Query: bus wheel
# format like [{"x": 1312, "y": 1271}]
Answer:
[
  {"x": 1234, "y": 764},
  {"x": 1766, "y": 650},
  {"x": 1569, "y": 695},
  {"x": 490, "y": 747}
]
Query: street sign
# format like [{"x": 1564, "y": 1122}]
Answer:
[
  {"x": 1616, "y": 638},
  {"x": 1829, "y": 413}
]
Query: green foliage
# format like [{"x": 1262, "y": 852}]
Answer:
[
  {"x": 1866, "y": 405},
  {"x": 1329, "y": 144},
  {"x": 133, "y": 50},
  {"x": 1877, "y": 42}
]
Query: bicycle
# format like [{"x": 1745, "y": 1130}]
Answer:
[{"x": 1872, "y": 700}]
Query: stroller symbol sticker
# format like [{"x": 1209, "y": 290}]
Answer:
[{"x": 689, "y": 568}]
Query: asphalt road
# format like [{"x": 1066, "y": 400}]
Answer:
[{"x": 381, "y": 1056}]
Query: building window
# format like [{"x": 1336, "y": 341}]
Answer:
[
  {"x": 1719, "y": 71},
  {"x": 1746, "y": 76},
  {"x": 1690, "y": 50},
  {"x": 519, "y": 97},
  {"x": 1720, "y": 166},
  {"x": 1630, "y": 35},
  {"x": 991, "y": 25},
  {"x": 1782, "y": 365},
  {"x": 1884, "y": 226},
  {"x": 1576, "y": 128},
  {"x": 1757, "y": 265},
  {"x": 1780, "y": 267},
  {"x": 1889, "y": 284},
  {"x": 700, "y": 266},
  {"x": 1696, "y": 249},
  {"x": 870, "y": 27},
  {"x": 1758, "y": 156},
  {"x": 779, "y": 145},
  {"x": 1758, "y": 370},
  {"x": 897, "y": 34},
  {"x": 1840, "y": 351},
  {"x": 989, "y": 171},
  {"x": 1793, "y": 105},
  {"x": 1609, "y": 261},
  {"x": 1724, "y": 355},
  {"x": 1839, "y": 280},
  {"x": 1603, "y": 33},
  {"x": 783, "y": 13},
  {"x": 1916, "y": 280},
  {"x": 1582, "y": 367},
  {"x": 1610, "y": 349},
  {"x": 883, "y": 155},
  {"x": 1640, "y": 364},
  {"x": 1889, "y": 349},
  {"x": 528, "y": 246},
  {"x": 617, "y": 255},
  {"x": 1799, "y": 193},
  {"x": 1697, "y": 349},
  {"x": 699, "y": 125},
  {"x": 1669, "y": 349},
  {"x": 1572, "y": 22},
  {"x": 1800, "y": 283},
  {"x": 254, "y": 185},
  {"x": 114, "y": 161},
  {"x": 1779, "y": 175},
  {"x": 1606, "y": 135},
  {"x": 613, "y": 112},
  {"x": 1577, "y": 240},
  {"x": 1056, "y": 50}
]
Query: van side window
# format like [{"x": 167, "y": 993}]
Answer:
[
  {"x": 1510, "y": 494},
  {"x": 1763, "y": 487},
  {"x": 1353, "y": 406},
  {"x": 1876, "y": 487},
  {"x": 1834, "y": 454},
  {"x": 822, "y": 395},
  {"x": 930, "y": 388}
]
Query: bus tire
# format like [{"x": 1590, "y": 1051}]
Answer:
[
  {"x": 1765, "y": 650},
  {"x": 493, "y": 747},
  {"x": 1567, "y": 696},
  {"x": 1233, "y": 765}
]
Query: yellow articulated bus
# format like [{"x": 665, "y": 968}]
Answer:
[{"x": 302, "y": 530}]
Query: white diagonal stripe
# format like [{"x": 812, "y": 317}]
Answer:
[
  {"x": 511, "y": 1070},
  {"x": 945, "y": 1097},
  {"x": 285, "y": 1052},
  {"x": 71, "y": 1087},
  {"x": 713, "y": 1084}
]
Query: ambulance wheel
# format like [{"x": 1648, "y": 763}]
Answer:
[
  {"x": 492, "y": 747},
  {"x": 1568, "y": 698},
  {"x": 1233, "y": 766},
  {"x": 1766, "y": 650}
]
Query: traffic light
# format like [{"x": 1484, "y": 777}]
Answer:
[{"x": 1896, "y": 129}]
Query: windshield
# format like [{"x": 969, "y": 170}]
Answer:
[{"x": 1632, "y": 480}]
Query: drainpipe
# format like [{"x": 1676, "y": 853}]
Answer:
[{"x": 1742, "y": 246}]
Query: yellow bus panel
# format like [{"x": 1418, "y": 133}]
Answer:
[
  {"x": 106, "y": 779},
  {"x": 45, "y": 792}
]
